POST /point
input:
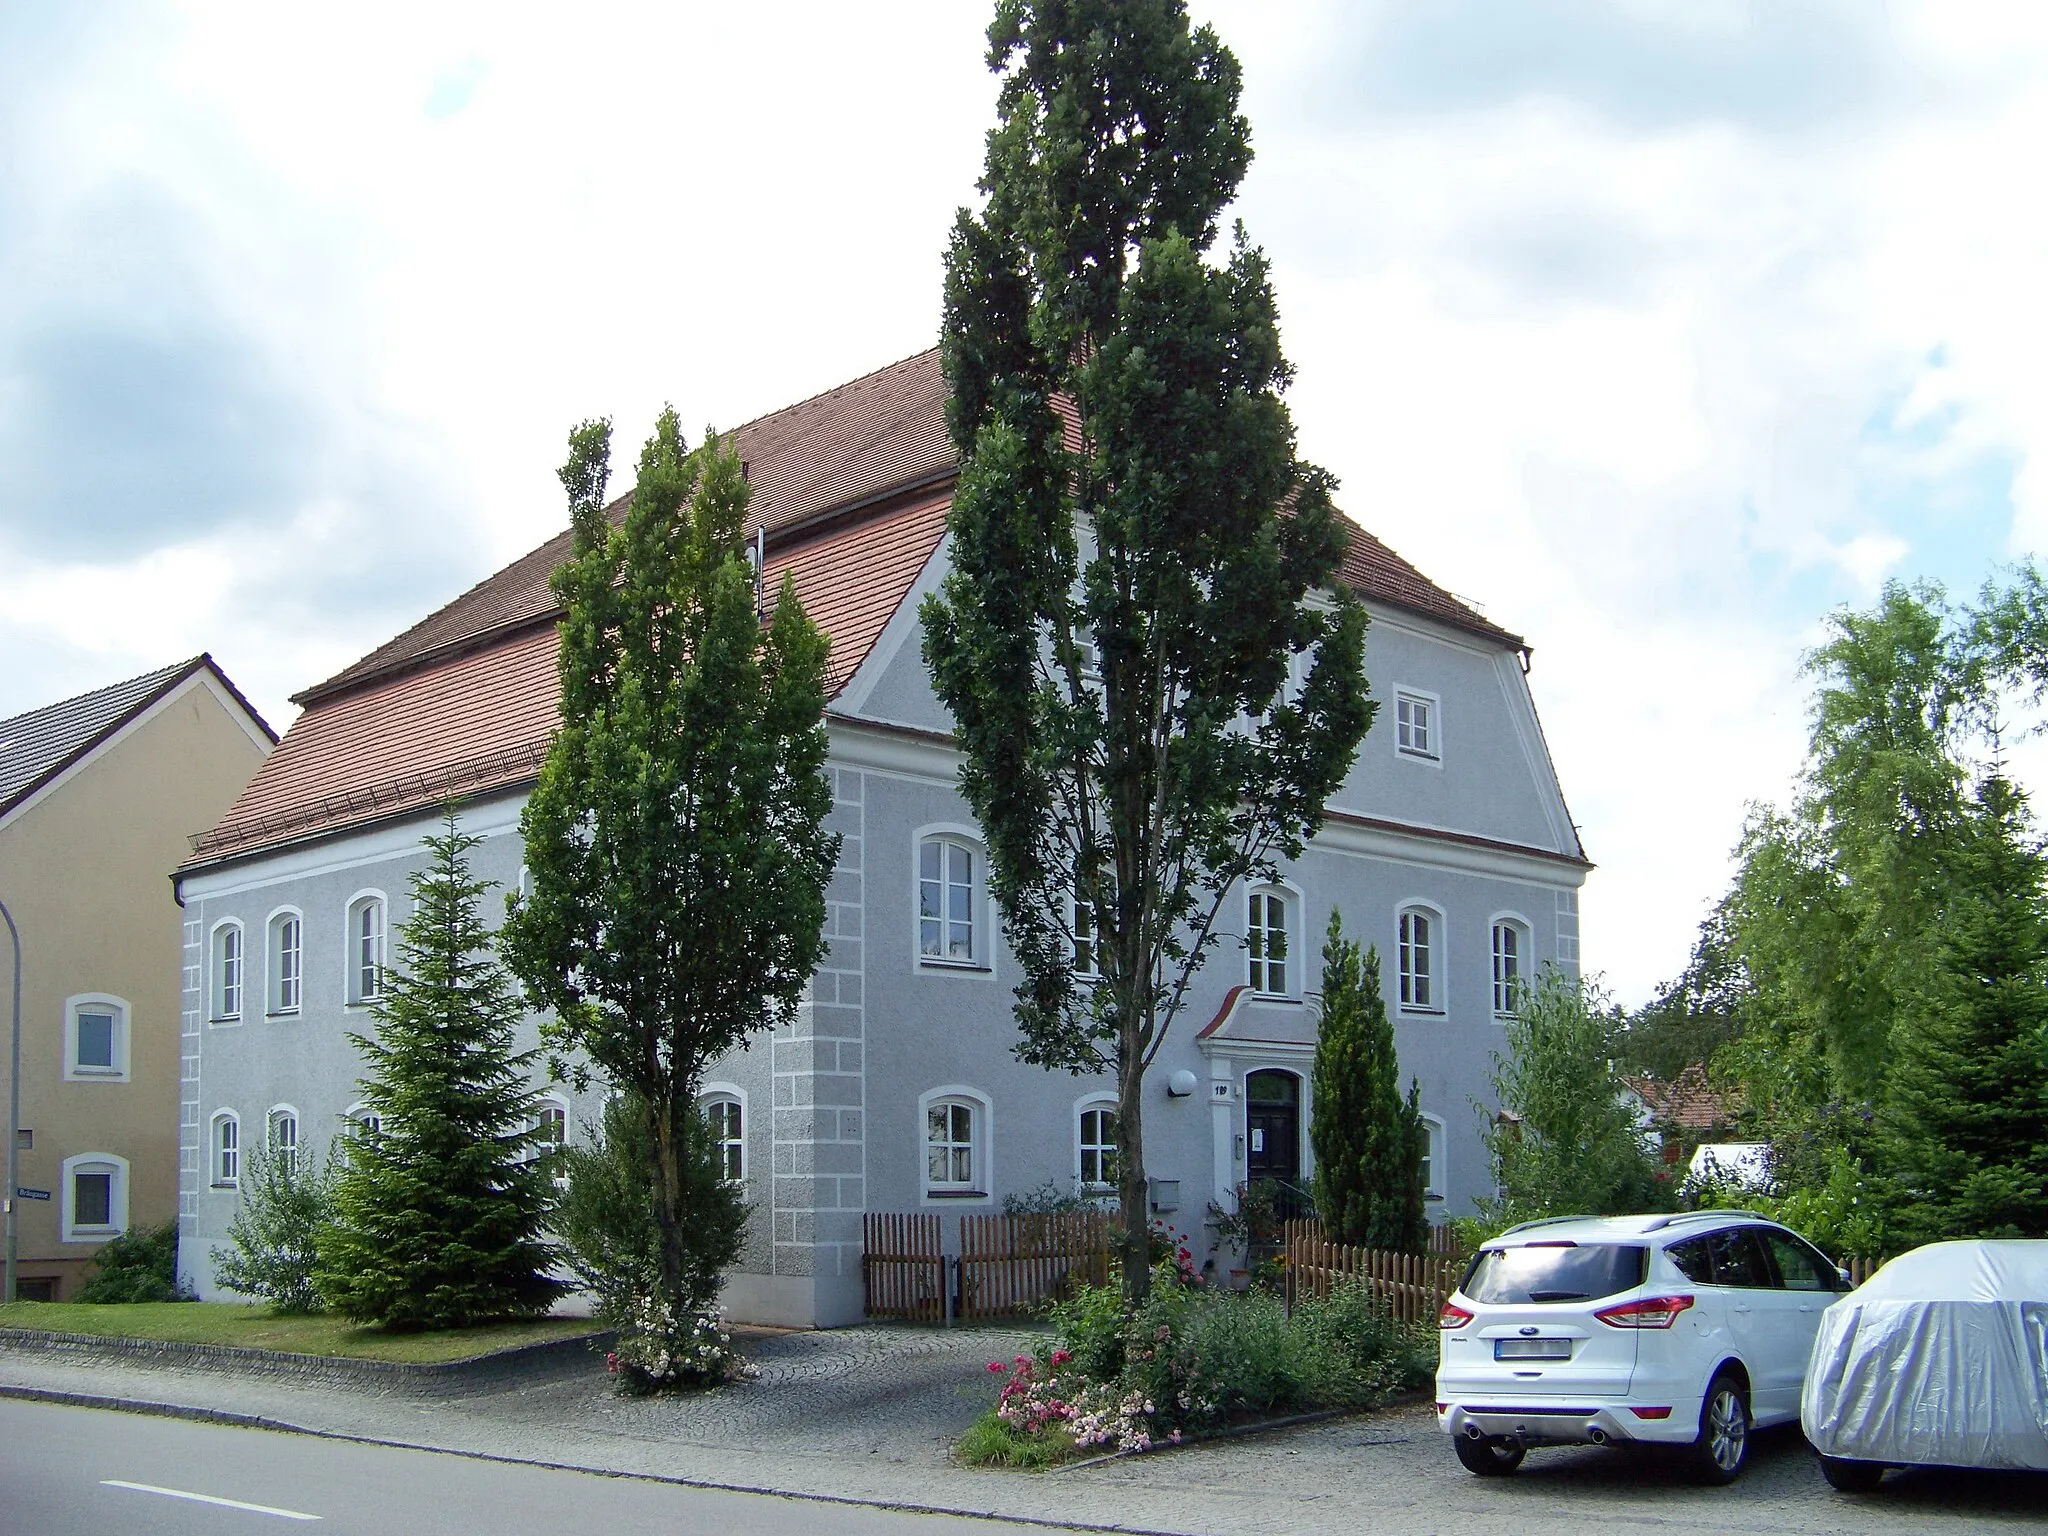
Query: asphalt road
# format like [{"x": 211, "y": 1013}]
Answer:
[{"x": 85, "y": 1472}]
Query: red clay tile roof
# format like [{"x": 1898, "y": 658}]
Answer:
[
  {"x": 852, "y": 487},
  {"x": 1687, "y": 1101},
  {"x": 875, "y": 435},
  {"x": 481, "y": 719}
]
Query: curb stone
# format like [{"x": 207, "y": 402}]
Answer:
[
  {"x": 1189, "y": 1442},
  {"x": 279, "y": 1426},
  {"x": 437, "y": 1378}
]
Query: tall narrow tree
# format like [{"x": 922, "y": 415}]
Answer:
[
  {"x": 676, "y": 838},
  {"x": 438, "y": 1210},
  {"x": 1368, "y": 1140},
  {"x": 1964, "y": 1127},
  {"x": 1155, "y": 678}
]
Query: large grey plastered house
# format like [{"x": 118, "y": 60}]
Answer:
[{"x": 1450, "y": 848}]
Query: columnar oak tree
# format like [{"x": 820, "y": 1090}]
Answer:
[
  {"x": 1156, "y": 682},
  {"x": 676, "y": 837}
]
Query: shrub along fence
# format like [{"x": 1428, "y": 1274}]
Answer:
[
  {"x": 1412, "y": 1286},
  {"x": 1007, "y": 1265}
]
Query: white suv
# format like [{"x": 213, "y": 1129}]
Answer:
[{"x": 1678, "y": 1330}]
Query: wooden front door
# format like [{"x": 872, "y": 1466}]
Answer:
[{"x": 1272, "y": 1119}]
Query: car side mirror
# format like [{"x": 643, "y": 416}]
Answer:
[{"x": 1847, "y": 1283}]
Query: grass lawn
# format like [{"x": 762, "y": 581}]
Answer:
[{"x": 253, "y": 1326}]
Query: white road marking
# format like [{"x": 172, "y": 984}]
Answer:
[{"x": 206, "y": 1498}]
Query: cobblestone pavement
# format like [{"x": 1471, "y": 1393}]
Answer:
[{"x": 869, "y": 1413}]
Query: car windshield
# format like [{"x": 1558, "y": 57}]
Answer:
[{"x": 1554, "y": 1272}]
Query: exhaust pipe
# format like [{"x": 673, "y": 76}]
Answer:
[
  {"x": 1474, "y": 1432},
  {"x": 1596, "y": 1434}
]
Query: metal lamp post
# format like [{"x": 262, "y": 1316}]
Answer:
[{"x": 13, "y": 1193}]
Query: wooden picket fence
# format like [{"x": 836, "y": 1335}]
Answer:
[
  {"x": 1445, "y": 1243},
  {"x": 1007, "y": 1265},
  {"x": 1412, "y": 1286},
  {"x": 903, "y": 1266},
  {"x": 1011, "y": 1264}
]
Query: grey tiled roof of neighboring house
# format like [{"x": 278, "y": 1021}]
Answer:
[{"x": 37, "y": 746}]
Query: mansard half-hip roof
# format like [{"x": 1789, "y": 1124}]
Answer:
[{"x": 850, "y": 491}]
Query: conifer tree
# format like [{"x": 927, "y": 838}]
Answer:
[
  {"x": 1367, "y": 1139},
  {"x": 438, "y": 1211},
  {"x": 1965, "y": 1121},
  {"x": 1156, "y": 680},
  {"x": 677, "y": 836}
]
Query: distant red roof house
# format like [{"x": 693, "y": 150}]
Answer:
[
  {"x": 851, "y": 490},
  {"x": 1688, "y": 1102}
]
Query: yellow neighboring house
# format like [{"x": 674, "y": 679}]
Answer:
[{"x": 98, "y": 797}]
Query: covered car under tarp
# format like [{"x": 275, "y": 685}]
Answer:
[{"x": 1939, "y": 1359}]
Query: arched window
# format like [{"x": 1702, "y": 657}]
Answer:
[
  {"x": 551, "y": 1126},
  {"x": 727, "y": 1118},
  {"x": 227, "y": 971},
  {"x": 1269, "y": 921},
  {"x": 95, "y": 1038},
  {"x": 287, "y": 954},
  {"x": 227, "y": 1149},
  {"x": 956, "y": 1143},
  {"x": 94, "y": 1197},
  {"x": 1510, "y": 965},
  {"x": 1095, "y": 1146},
  {"x": 283, "y": 1138},
  {"x": 1432, "y": 1158},
  {"x": 365, "y": 947},
  {"x": 364, "y": 1121},
  {"x": 949, "y": 930},
  {"x": 1421, "y": 960}
]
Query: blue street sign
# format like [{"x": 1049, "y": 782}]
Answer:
[{"x": 32, "y": 1194}]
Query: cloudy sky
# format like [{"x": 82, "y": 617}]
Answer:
[{"x": 1655, "y": 330}]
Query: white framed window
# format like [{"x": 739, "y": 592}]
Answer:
[
  {"x": 950, "y": 925},
  {"x": 1432, "y": 1158},
  {"x": 366, "y": 923},
  {"x": 1269, "y": 952},
  {"x": 95, "y": 1038},
  {"x": 226, "y": 1142},
  {"x": 725, "y": 1113},
  {"x": 366, "y": 1122},
  {"x": 282, "y": 1137},
  {"x": 1510, "y": 965},
  {"x": 95, "y": 1197},
  {"x": 227, "y": 970},
  {"x": 551, "y": 1123},
  {"x": 286, "y": 961},
  {"x": 1087, "y": 951},
  {"x": 1095, "y": 1170},
  {"x": 1418, "y": 724},
  {"x": 1420, "y": 963},
  {"x": 955, "y": 1125}
]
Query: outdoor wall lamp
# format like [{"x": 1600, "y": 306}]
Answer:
[{"x": 1181, "y": 1085}]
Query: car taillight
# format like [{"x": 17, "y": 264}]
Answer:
[
  {"x": 1452, "y": 1317},
  {"x": 1649, "y": 1312}
]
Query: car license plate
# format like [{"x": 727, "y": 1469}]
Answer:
[{"x": 1532, "y": 1349}]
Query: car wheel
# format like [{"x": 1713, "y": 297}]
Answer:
[
  {"x": 1490, "y": 1456},
  {"x": 1721, "y": 1449},
  {"x": 1846, "y": 1476}
]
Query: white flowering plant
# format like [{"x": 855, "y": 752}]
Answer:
[{"x": 659, "y": 1349}]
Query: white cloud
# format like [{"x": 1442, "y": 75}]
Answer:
[{"x": 1657, "y": 333}]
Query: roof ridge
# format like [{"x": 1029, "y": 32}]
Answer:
[
  {"x": 125, "y": 682},
  {"x": 826, "y": 394}
]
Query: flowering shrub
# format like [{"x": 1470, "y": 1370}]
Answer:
[
  {"x": 657, "y": 1348},
  {"x": 1189, "y": 1359}
]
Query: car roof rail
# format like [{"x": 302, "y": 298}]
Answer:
[
  {"x": 1546, "y": 1221},
  {"x": 1711, "y": 1215}
]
